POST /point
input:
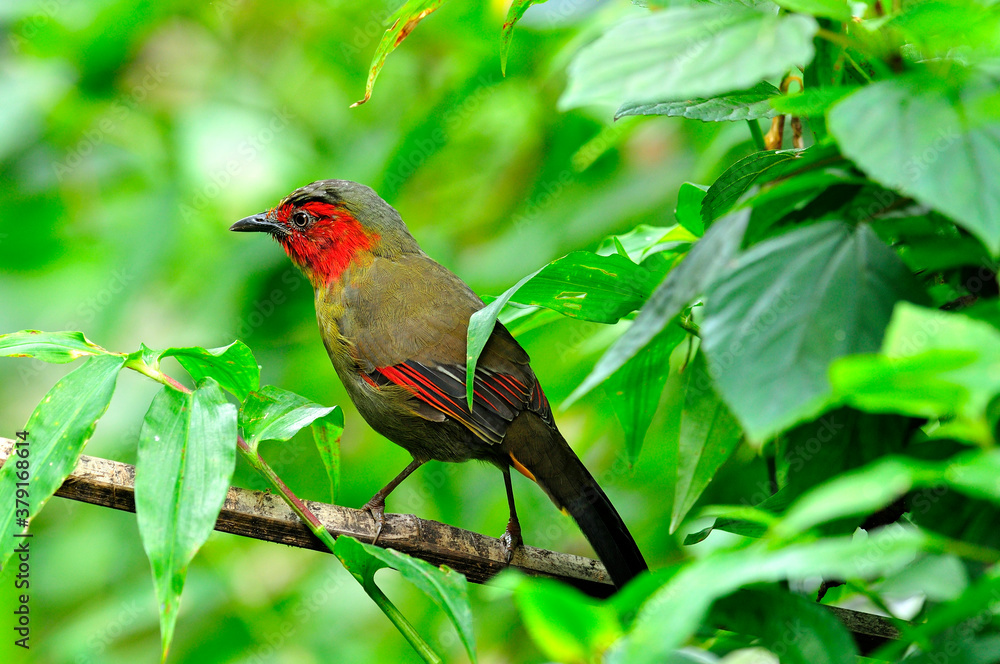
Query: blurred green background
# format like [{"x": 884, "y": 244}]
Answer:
[{"x": 132, "y": 134}]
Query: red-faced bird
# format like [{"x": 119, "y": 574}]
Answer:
[{"x": 394, "y": 323}]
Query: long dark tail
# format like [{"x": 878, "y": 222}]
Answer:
[{"x": 544, "y": 453}]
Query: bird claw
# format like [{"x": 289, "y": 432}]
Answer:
[
  {"x": 510, "y": 540},
  {"x": 376, "y": 508}
]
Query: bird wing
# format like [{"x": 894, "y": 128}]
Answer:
[{"x": 407, "y": 321}]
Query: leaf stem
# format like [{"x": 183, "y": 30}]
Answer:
[
  {"x": 401, "y": 623},
  {"x": 157, "y": 375},
  {"x": 757, "y": 135}
]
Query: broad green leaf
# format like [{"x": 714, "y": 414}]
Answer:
[
  {"x": 940, "y": 578},
  {"x": 55, "y": 347},
  {"x": 56, "y": 432},
  {"x": 708, "y": 437},
  {"x": 811, "y": 102},
  {"x": 688, "y": 52},
  {"x": 708, "y": 259},
  {"x": 514, "y": 14},
  {"x": 675, "y": 611},
  {"x": 579, "y": 285},
  {"x": 739, "y": 177},
  {"x": 932, "y": 364},
  {"x": 788, "y": 308},
  {"x": 793, "y": 195},
  {"x": 640, "y": 242},
  {"x": 233, "y": 367},
  {"x": 962, "y": 616},
  {"x": 792, "y": 626},
  {"x": 445, "y": 587},
  {"x": 835, "y": 9},
  {"x": 688, "y": 212},
  {"x": 565, "y": 624},
  {"x": 939, "y": 145},
  {"x": 749, "y": 104},
  {"x": 326, "y": 433},
  {"x": 635, "y": 389},
  {"x": 856, "y": 493},
  {"x": 277, "y": 414},
  {"x": 948, "y": 27},
  {"x": 868, "y": 489},
  {"x": 404, "y": 20},
  {"x": 183, "y": 469},
  {"x": 184, "y": 466}
]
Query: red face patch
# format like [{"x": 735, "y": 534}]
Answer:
[{"x": 327, "y": 246}]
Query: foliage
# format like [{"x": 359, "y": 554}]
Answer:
[{"x": 811, "y": 346}]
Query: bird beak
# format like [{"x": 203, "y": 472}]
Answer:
[{"x": 259, "y": 223}]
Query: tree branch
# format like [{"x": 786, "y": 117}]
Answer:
[{"x": 265, "y": 516}]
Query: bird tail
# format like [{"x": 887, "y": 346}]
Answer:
[{"x": 541, "y": 450}]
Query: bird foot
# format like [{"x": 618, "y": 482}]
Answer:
[
  {"x": 511, "y": 539},
  {"x": 376, "y": 508}
]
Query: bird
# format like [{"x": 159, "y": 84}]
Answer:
[{"x": 395, "y": 323}]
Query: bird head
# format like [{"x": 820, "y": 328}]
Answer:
[{"x": 326, "y": 226}]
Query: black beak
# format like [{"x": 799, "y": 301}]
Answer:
[{"x": 259, "y": 223}]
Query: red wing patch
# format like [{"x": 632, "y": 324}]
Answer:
[{"x": 497, "y": 398}]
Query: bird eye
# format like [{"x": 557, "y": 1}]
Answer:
[{"x": 300, "y": 219}]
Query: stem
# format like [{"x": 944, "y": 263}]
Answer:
[
  {"x": 756, "y": 134},
  {"x": 399, "y": 620},
  {"x": 157, "y": 375},
  {"x": 257, "y": 462}
]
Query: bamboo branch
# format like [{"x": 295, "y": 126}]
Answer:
[{"x": 264, "y": 516}]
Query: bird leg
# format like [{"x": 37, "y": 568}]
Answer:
[
  {"x": 376, "y": 506},
  {"x": 511, "y": 538}
]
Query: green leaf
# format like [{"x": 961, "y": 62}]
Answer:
[
  {"x": 749, "y": 104},
  {"x": 55, "y": 347},
  {"x": 514, "y": 14},
  {"x": 940, "y": 578},
  {"x": 57, "y": 431},
  {"x": 708, "y": 258},
  {"x": 326, "y": 432},
  {"x": 835, "y": 9},
  {"x": 676, "y": 610},
  {"x": 688, "y": 52},
  {"x": 811, "y": 102},
  {"x": 800, "y": 630},
  {"x": 635, "y": 389},
  {"x": 277, "y": 414},
  {"x": 939, "y": 145},
  {"x": 183, "y": 469},
  {"x": 233, "y": 367},
  {"x": 787, "y": 309},
  {"x": 856, "y": 493},
  {"x": 936, "y": 27},
  {"x": 688, "y": 212},
  {"x": 445, "y": 587},
  {"x": 565, "y": 624},
  {"x": 579, "y": 285},
  {"x": 642, "y": 240},
  {"x": 404, "y": 20},
  {"x": 932, "y": 364},
  {"x": 709, "y": 435},
  {"x": 739, "y": 177}
]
